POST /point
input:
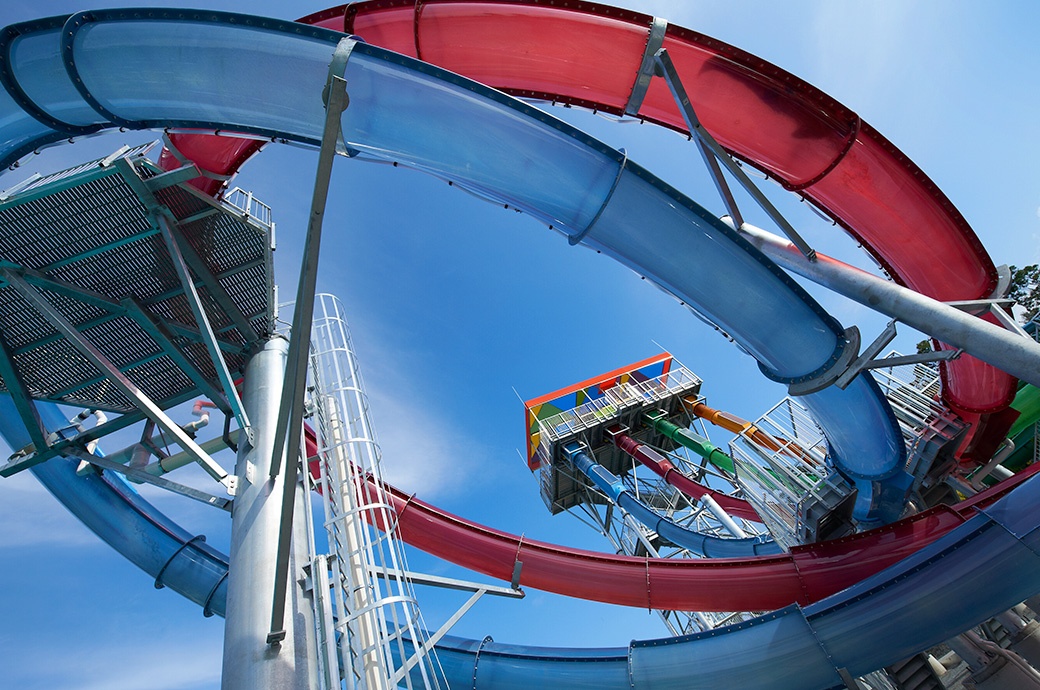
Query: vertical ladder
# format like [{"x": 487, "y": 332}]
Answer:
[{"x": 378, "y": 626}]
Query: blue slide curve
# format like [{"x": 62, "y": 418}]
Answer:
[
  {"x": 200, "y": 69},
  {"x": 707, "y": 545},
  {"x": 208, "y": 70}
]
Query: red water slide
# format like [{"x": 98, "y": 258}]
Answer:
[
  {"x": 663, "y": 467},
  {"x": 589, "y": 55},
  {"x": 805, "y": 575}
]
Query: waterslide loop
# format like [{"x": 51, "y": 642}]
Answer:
[
  {"x": 888, "y": 229},
  {"x": 645, "y": 75},
  {"x": 584, "y": 160},
  {"x": 1018, "y": 579},
  {"x": 576, "y": 239}
]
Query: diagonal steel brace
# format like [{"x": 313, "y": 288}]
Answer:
[{"x": 125, "y": 385}]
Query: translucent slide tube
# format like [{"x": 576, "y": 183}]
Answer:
[
  {"x": 590, "y": 55},
  {"x": 409, "y": 112}
]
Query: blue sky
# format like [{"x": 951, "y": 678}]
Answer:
[{"x": 454, "y": 303}]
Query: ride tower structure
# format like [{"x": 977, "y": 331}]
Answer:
[
  {"x": 167, "y": 295},
  {"x": 604, "y": 450}
]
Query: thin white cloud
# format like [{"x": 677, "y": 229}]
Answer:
[
  {"x": 423, "y": 452},
  {"x": 32, "y": 517},
  {"x": 159, "y": 665}
]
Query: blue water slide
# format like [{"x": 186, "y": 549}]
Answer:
[
  {"x": 112, "y": 509},
  {"x": 707, "y": 545},
  {"x": 167, "y": 68}
]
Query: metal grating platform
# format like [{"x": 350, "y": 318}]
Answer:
[
  {"x": 619, "y": 399},
  {"x": 90, "y": 242}
]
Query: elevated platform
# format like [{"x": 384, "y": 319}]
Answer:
[
  {"x": 589, "y": 410},
  {"x": 92, "y": 261}
]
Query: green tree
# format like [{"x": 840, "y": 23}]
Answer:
[{"x": 1025, "y": 289}]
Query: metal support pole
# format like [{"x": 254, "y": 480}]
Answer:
[
  {"x": 422, "y": 651},
  {"x": 289, "y": 425},
  {"x": 706, "y": 140},
  {"x": 146, "y": 478},
  {"x": 290, "y": 412},
  {"x": 1003, "y": 349},
  {"x": 22, "y": 399},
  {"x": 722, "y": 516},
  {"x": 250, "y": 663},
  {"x": 663, "y": 62}
]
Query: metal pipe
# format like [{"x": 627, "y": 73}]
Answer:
[
  {"x": 163, "y": 465},
  {"x": 722, "y": 516},
  {"x": 1005, "y": 350},
  {"x": 250, "y": 663},
  {"x": 695, "y": 442},
  {"x": 987, "y": 469},
  {"x": 178, "y": 460}
]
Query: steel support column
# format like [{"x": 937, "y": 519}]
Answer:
[
  {"x": 250, "y": 663},
  {"x": 1017, "y": 355},
  {"x": 289, "y": 424}
]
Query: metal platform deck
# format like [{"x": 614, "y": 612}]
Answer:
[{"x": 103, "y": 248}]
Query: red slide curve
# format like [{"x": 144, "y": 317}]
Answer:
[
  {"x": 663, "y": 467},
  {"x": 806, "y": 574},
  {"x": 585, "y": 54}
]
